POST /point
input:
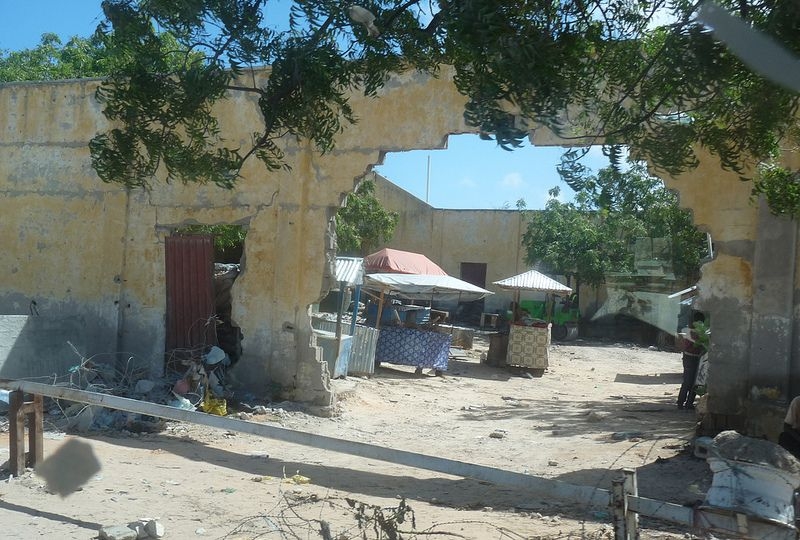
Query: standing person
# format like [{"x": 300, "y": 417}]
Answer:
[
  {"x": 790, "y": 437},
  {"x": 692, "y": 351}
]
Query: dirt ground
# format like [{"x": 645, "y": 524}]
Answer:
[{"x": 599, "y": 407}]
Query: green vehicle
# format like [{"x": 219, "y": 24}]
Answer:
[{"x": 565, "y": 314}]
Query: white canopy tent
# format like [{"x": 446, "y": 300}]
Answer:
[
  {"x": 536, "y": 282},
  {"x": 533, "y": 281},
  {"x": 421, "y": 287},
  {"x": 424, "y": 287}
]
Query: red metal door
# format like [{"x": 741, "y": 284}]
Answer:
[{"x": 190, "y": 292}]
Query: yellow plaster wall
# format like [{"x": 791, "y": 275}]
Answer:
[
  {"x": 91, "y": 252},
  {"x": 94, "y": 253}
]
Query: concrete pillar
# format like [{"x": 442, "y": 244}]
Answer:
[{"x": 774, "y": 262}]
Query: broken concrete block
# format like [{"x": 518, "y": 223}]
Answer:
[
  {"x": 117, "y": 532},
  {"x": 155, "y": 529},
  {"x": 138, "y": 527}
]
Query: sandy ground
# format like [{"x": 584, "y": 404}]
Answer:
[{"x": 598, "y": 408}]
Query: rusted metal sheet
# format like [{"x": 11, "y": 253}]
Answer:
[{"x": 190, "y": 292}]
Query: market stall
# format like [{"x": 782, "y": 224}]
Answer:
[
  {"x": 419, "y": 347},
  {"x": 529, "y": 339}
]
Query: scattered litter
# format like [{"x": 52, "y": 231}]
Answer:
[
  {"x": 299, "y": 479},
  {"x": 215, "y": 406},
  {"x": 144, "y": 386},
  {"x": 200, "y": 531},
  {"x": 497, "y": 434},
  {"x": 622, "y": 435},
  {"x": 181, "y": 402},
  {"x": 552, "y": 463}
]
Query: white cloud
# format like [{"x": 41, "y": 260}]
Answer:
[
  {"x": 513, "y": 181},
  {"x": 467, "y": 182}
]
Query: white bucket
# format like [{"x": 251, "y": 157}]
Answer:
[{"x": 756, "y": 489}]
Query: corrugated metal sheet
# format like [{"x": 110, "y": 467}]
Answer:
[
  {"x": 532, "y": 281},
  {"x": 190, "y": 296},
  {"x": 350, "y": 270},
  {"x": 362, "y": 352}
]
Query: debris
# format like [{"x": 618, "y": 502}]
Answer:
[
  {"x": 155, "y": 529},
  {"x": 733, "y": 446},
  {"x": 181, "y": 403},
  {"x": 497, "y": 434},
  {"x": 215, "y": 355},
  {"x": 299, "y": 479},
  {"x": 200, "y": 531},
  {"x": 622, "y": 435},
  {"x": 144, "y": 386},
  {"x": 117, "y": 532},
  {"x": 215, "y": 406},
  {"x": 552, "y": 463}
]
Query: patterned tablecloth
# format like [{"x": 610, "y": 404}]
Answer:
[
  {"x": 412, "y": 347},
  {"x": 528, "y": 346}
]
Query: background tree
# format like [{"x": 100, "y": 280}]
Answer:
[
  {"x": 363, "y": 224},
  {"x": 595, "y": 235},
  {"x": 52, "y": 60},
  {"x": 594, "y": 69}
]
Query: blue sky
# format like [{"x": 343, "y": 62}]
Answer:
[{"x": 470, "y": 173}]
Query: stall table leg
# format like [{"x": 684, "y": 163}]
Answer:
[{"x": 19, "y": 409}]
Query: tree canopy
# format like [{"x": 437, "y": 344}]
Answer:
[
  {"x": 362, "y": 224},
  {"x": 595, "y": 235},
  {"x": 644, "y": 73},
  {"x": 52, "y": 60}
]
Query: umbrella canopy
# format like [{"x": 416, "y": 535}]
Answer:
[
  {"x": 533, "y": 281},
  {"x": 425, "y": 287},
  {"x": 395, "y": 261}
]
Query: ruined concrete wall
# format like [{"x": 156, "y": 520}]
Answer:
[
  {"x": 749, "y": 290},
  {"x": 452, "y": 237},
  {"x": 85, "y": 261},
  {"x": 58, "y": 284}
]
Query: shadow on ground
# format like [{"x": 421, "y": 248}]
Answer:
[
  {"x": 461, "y": 493},
  {"x": 613, "y": 419}
]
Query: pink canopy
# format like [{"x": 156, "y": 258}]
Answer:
[{"x": 395, "y": 261}]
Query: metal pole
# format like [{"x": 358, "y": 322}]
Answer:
[
  {"x": 586, "y": 495},
  {"x": 428, "y": 180}
]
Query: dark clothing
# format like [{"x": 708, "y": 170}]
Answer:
[
  {"x": 790, "y": 440},
  {"x": 686, "y": 394}
]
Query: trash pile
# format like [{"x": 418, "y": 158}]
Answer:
[
  {"x": 195, "y": 381},
  {"x": 202, "y": 384}
]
